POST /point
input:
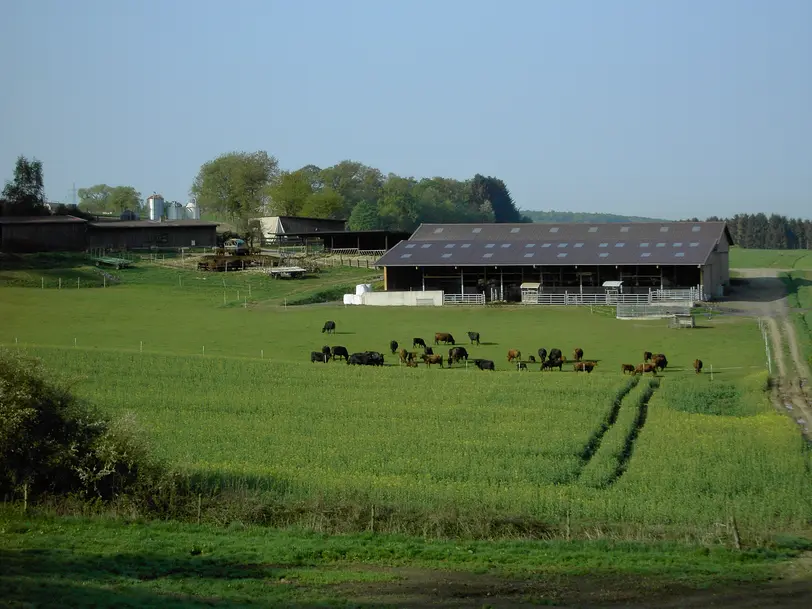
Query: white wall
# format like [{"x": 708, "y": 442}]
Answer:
[{"x": 403, "y": 299}]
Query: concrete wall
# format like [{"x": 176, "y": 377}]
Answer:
[{"x": 403, "y": 299}]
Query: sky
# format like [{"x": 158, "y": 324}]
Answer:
[{"x": 661, "y": 108}]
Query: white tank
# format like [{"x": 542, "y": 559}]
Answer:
[
  {"x": 174, "y": 211},
  {"x": 155, "y": 207},
  {"x": 192, "y": 211}
]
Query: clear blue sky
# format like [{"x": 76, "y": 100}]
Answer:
[{"x": 648, "y": 107}]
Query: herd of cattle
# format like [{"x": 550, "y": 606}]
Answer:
[{"x": 652, "y": 362}]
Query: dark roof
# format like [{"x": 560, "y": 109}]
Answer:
[
  {"x": 40, "y": 220},
  {"x": 309, "y": 218},
  {"x": 666, "y": 243},
  {"x": 151, "y": 224},
  {"x": 346, "y": 233}
]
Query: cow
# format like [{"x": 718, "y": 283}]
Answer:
[
  {"x": 433, "y": 359},
  {"x": 428, "y": 350},
  {"x": 521, "y": 366},
  {"x": 411, "y": 364},
  {"x": 698, "y": 365},
  {"x": 318, "y": 356},
  {"x": 578, "y": 354},
  {"x": 624, "y": 368},
  {"x": 473, "y": 337},
  {"x": 584, "y": 366},
  {"x": 646, "y": 355},
  {"x": 393, "y": 346},
  {"x": 418, "y": 342},
  {"x": 456, "y": 354},
  {"x": 375, "y": 358},
  {"x": 443, "y": 337},
  {"x": 339, "y": 351},
  {"x": 555, "y": 354},
  {"x": 660, "y": 361},
  {"x": 485, "y": 364},
  {"x": 643, "y": 368},
  {"x": 358, "y": 359},
  {"x": 551, "y": 363},
  {"x": 326, "y": 350},
  {"x": 329, "y": 327},
  {"x": 542, "y": 355},
  {"x": 514, "y": 354},
  {"x": 405, "y": 356},
  {"x": 532, "y": 359}
]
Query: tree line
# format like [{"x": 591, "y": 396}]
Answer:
[{"x": 774, "y": 232}]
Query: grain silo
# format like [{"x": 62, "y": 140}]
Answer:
[
  {"x": 155, "y": 207},
  {"x": 192, "y": 211},
  {"x": 174, "y": 211}
]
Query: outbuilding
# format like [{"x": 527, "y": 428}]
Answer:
[
  {"x": 142, "y": 234},
  {"x": 42, "y": 234}
]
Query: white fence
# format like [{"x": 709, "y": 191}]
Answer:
[
  {"x": 463, "y": 299},
  {"x": 686, "y": 297},
  {"x": 651, "y": 311}
]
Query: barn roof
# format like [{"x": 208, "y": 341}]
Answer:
[
  {"x": 41, "y": 220},
  {"x": 152, "y": 224},
  {"x": 649, "y": 243}
]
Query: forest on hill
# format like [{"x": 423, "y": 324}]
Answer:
[{"x": 774, "y": 232}]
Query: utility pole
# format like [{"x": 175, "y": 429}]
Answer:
[{"x": 73, "y": 193}]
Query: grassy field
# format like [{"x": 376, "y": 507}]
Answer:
[
  {"x": 777, "y": 259},
  {"x": 228, "y": 393},
  {"x": 799, "y": 288}
]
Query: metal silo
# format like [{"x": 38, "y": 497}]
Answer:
[
  {"x": 174, "y": 211},
  {"x": 192, "y": 211},
  {"x": 155, "y": 207}
]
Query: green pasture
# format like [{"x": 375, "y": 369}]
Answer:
[{"x": 741, "y": 258}]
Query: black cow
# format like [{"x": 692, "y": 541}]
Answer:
[
  {"x": 456, "y": 354},
  {"x": 326, "y": 350},
  {"x": 521, "y": 366},
  {"x": 340, "y": 351},
  {"x": 552, "y": 363},
  {"x": 485, "y": 364},
  {"x": 542, "y": 355},
  {"x": 428, "y": 351},
  {"x": 393, "y": 345},
  {"x": 532, "y": 359},
  {"x": 358, "y": 359},
  {"x": 418, "y": 342},
  {"x": 474, "y": 337},
  {"x": 329, "y": 327},
  {"x": 375, "y": 358},
  {"x": 555, "y": 354},
  {"x": 318, "y": 356}
]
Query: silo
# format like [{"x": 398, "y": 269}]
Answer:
[
  {"x": 174, "y": 211},
  {"x": 192, "y": 211},
  {"x": 155, "y": 206}
]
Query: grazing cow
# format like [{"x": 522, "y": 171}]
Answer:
[
  {"x": 551, "y": 363},
  {"x": 532, "y": 359},
  {"x": 456, "y": 354},
  {"x": 660, "y": 361},
  {"x": 358, "y": 359},
  {"x": 485, "y": 364},
  {"x": 624, "y": 368},
  {"x": 578, "y": 354},
  {"x": 643, "y": 368},
  {"x": 393, "y": 346},
  {"x": 433, "y": 359},
  {"x": 405, "y": 356},
  {"x": 584, "y": 366},
  {"x": 375, "y": 358},
  {"x": 555, "y": 354},
  {"x": 646, "y": 355},
  {"x": 318, "y": 356},
  {"x": 428, "y": 350},
  {"x": 326, "y": 350},
  {"x": 521, "y": 366},
  {"x": 698, "y": 365},
  {"x": 542, "y": 355},
  {"x": 514, "y": 354},
  {"x": 443, "y": 337},
  {"x": 474, "y": 337},
  {"x": 418, "y": 342},
  {"x": 339, "y": 351},
  {"x": 329, "y": 327}
]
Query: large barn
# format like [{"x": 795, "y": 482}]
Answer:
[
  {"x": 141, "y": 234},
  {"x": 509, "y": 261},
  {"x": 42, "y": 234}
]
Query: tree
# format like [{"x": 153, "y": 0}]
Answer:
[
  {"x": 494, "y": 191},
  {"x": 365, "y": 216},
  {"x": 325, "y": 203},
  {"x": 235, "y": 184},
  {"x": 289, "y": 193},
  {"x": 354, "y": 181},
  {"x": 104, "y": 198},
  {"x": 25, "y": 194}
]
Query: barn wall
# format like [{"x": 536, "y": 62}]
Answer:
[
  {"x": 149, "y": 236},
  {"x": 43, "y": 237},
  {"x": 404, "y": 299}
]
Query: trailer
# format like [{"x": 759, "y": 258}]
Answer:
[{"x": 286, "y": 272}]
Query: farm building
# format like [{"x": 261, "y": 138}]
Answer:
[
  {"x": 42, "y": 234},
  {"x": 544, "y": 263},
  {"x": 273, "y": 227},
  {"x": 140, "y": 234},
  {"x": 347, "y": 242}
]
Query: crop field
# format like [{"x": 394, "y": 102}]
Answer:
[
  {"x": 776, "y": 259},
  {"x": 228, "y": 393}
]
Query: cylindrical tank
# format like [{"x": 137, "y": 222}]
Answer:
[
  {"x": 155, "y": 207},
  {"x": 174, "y": 211},
  {"x": 192, "y": 211}
]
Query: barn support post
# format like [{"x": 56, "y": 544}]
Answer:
[
  {"x": 423, "y": 273},
  {"x": 462, "y": 282},
  {"x": 661, "y": 278},
  {"x": 501, "y": 284},
  {"x": 385, "y": 280}
]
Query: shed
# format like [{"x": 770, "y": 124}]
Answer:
[
  {"x": 142, "y": 234},
  {"x": 530, "y": 292},
  {"x": 42, "y": 234}
]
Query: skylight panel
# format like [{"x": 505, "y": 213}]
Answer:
[
  {"x": 476, "y": 231},
  {"x": 515, "y": 230},
  {"x": 449, "y": 246},
  {"x": 644, "y": 244},
  {"x": 663, "y": 229},
  {"x": 425, "y": 246},
  {"x": 645, "y": 254},
  {"x": 490, "y": 245},
  {"x": 405, "y": 255},
  {"x": 562, "y": 255},
  {"x": 529, "y": 245},
  {"x": 624, "y": 229},
  {"x": 437, "y": 231},
  {"x": 446, "y": 256},
  {"x": 411, "y": 246},
  {"x": 554, "y": 229},
  {"x": 578, "y": 245},
  {"x": 604, "y": 255},
  {"x": 678, "y": 244},
  {"x": 696, "y": 228},
  {"x": 465, "y": 245},
  {"x": 530, "y": 255},
  {"x": 661, "y": 244},
  {"x": 619, "y": 244},
  {"x": 563, "y": 244},
  {"x": 546, "y": 244},
  {"x": 593, "y": 229},
  {"x": 694, "y": 244},
  {"x": 680, "y": 254},
  {"x": 603, "y": 245},
  {"x": 506, "y": 245},
  {"x": 487, "y": 255}
]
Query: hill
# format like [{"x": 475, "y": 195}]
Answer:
[{"x": 569, "y": 216}]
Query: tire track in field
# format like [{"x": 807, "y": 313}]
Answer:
[
  {"x": 642, "y": 415},
  {"x": 595, "y": 441}
]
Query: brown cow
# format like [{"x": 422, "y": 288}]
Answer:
[
  {"x": 444, "y": 337},
  {"x": 433, "y": 359},
  {"x": 514, "y": 354},
  {"x": 579, "y": 354},
  {"x": 643, "y": 368},
  {"x": 624, "y": 368},
  {"x": 404, "y": 356},
  {"x": 698, "y": 365},
  {"x": 660, "y": 361},
  {"x": 584, "y": 366},
  {"x": 646, "y": 355}
]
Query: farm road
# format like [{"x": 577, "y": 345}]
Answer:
[{"x": 763, "y": 294}]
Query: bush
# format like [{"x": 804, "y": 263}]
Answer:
[
  {"x": 51, "y": 443},
  {"x": 327, "y": 295}
]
